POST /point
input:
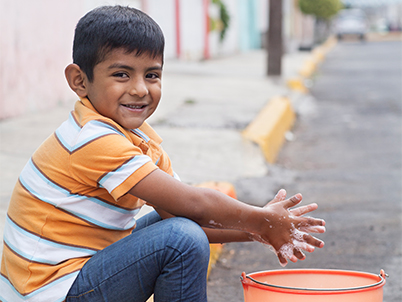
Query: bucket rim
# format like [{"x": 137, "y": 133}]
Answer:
[{"x": 299, "y": 290}]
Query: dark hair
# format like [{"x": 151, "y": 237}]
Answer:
[{"x": 109, "y": 27}]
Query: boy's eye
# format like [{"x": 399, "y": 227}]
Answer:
[
  {"x": 120, "y": 75},
  {"x": 152, "y": 76}
]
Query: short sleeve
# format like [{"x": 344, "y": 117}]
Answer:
[{"x": 112, "y": 162}]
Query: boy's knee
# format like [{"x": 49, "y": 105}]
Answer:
[{"x": 190, "y": 236}]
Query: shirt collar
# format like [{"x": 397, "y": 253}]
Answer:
[{"x": 145, "y": 128}]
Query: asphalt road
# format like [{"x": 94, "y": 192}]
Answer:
[{"x": 346, "y": 156}]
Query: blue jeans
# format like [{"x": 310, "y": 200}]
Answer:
[{"x": 166, "y": 257}]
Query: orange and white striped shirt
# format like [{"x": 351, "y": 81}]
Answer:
[{"x": 70, "y": 201}]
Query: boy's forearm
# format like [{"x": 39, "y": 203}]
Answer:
[
  {"x": 207, "y": 207},
  {"x": 216, "y": 235},
  {"x": 223, "y": 236},
  {"x": 224, "y": 212}
]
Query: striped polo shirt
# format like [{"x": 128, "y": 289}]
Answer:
[{"x": 70, "y": 201}]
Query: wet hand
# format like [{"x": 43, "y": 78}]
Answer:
[{"x": 287, "y": 230}]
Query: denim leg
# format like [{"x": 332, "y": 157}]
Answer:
[
  {"x": 168, "y": 258},
  {"x": 147, "y": 220}
]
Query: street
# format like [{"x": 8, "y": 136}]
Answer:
[{"x": 345, "y": 155}]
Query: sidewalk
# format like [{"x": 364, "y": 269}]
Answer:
[{"x": 204, "y": 108}]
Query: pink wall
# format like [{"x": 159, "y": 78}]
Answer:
[{"x": 35, "y": 47}]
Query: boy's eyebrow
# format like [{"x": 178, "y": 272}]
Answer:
[{"x": 123, "y": 66}]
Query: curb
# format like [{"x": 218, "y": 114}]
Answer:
[
  {"x": 310, "y": 65},
  {"x": 268, "y": 129},
  {"x": 272, "y": 123}
]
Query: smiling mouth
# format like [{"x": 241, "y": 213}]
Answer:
[{"x": 135, "y": 106}]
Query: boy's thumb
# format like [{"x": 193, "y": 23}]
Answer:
[
  {"x": 281, "y": 195},
  {"x": 294, "y": 200}
]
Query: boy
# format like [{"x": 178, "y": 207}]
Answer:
[{"x": 70, "y": 232}]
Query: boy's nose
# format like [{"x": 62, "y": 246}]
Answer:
[{"x": 138, "y": 88}]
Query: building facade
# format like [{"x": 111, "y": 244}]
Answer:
[{"x": 36, "y": 40}]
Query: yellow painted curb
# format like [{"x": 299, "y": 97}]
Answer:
[
  {"x": 228, "y": 189},
  {"x": 317, "y": 56},
  {"x": 330, "y": 43},
  {"x": 308, "y": 68},
  {"x": 215, "y": 251},
  {"x": 268, "y": 129},
  {"x": 297, "y": 84}
]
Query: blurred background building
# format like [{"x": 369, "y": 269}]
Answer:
[{"x": 36, "y": 37}]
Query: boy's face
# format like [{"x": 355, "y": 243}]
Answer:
[{"x": 126, "y": 87}]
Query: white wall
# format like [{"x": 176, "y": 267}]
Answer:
[
  {"x": 35, "y": 47},
  {"x": 192, "y": 29},
  {"x": 164, "y": 15}
]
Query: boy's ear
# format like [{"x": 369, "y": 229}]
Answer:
[{"x": 76, "y": 79}]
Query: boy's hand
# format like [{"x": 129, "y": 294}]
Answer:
[{"x": 287, "y": 229}]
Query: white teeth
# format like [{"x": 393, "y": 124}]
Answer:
[{"x": 134, "y": 107}]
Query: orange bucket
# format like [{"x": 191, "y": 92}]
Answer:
[{"x": 313, "y": 285}]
